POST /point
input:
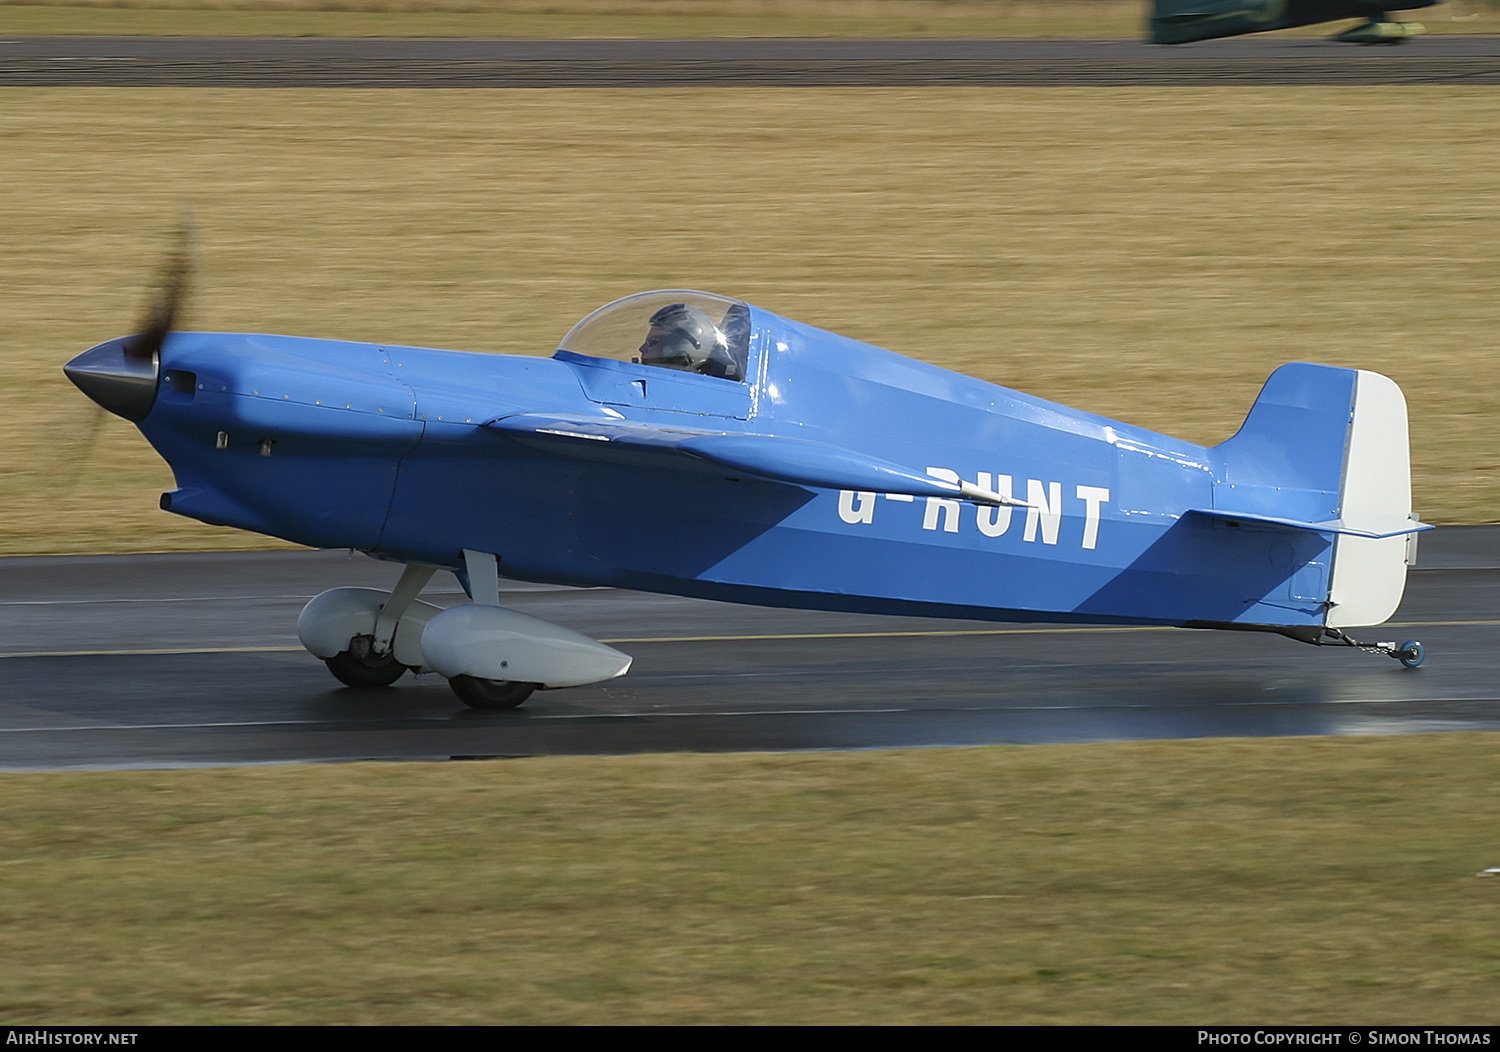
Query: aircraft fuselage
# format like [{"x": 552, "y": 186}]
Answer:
[{"x": 392, "y": 450}]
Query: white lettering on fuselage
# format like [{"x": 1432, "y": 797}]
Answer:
[
  {"x": 856, "y": 506},
  {"x": 994, "y": 519},
  {"x": 946, "y": 506},
  {"x": 1044, "y": 516},
  {"x": 1043, "y": 512}
]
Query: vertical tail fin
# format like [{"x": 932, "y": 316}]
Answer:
[{"x": 1325, "y": 449}]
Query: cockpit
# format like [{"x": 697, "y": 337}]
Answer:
[{"x": 679, "y": 329}]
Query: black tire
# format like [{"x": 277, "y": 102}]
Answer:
[
  {"x": 357, "y": 667},
  {"x": 490, "y": 693}
]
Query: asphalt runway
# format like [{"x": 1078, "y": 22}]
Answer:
[
  {"x": 456, "y": 63},
  {"x": 186, "y": 660}
]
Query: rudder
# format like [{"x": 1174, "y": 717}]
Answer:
[{"x": 1369, "y": 573}]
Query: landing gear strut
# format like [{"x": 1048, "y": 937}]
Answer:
[{"x": 492, "y": 657}]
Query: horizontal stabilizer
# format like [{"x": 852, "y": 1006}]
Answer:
[
  {"x": 1365, "y": 526},
  {"x": 773, "y": 457}
]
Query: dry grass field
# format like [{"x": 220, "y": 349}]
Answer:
[
  {"x": 1149, "y": 254},
  {"x": 581, "y": 18},
  {"x": 584, "y": 18},
  {"x": 1302, "y": 881},
  {"x": 632, "y": 18}
]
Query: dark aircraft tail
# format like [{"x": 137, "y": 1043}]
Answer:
[{"x": 1181, "y": 21}]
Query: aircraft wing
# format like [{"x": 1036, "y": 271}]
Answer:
[{"x": 774, "y": 457}]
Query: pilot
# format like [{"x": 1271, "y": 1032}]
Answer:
[{"x": 682, "y": 337}]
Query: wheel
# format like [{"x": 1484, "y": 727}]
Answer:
[
  {"x": 1411, "y": 653},
  {"x": 490, "y": 693},
  {"x": 357, "y": 667}
]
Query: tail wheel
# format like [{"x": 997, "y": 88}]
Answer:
[
  {"x": 359, "y": 667},
  {"x": 1411, "y": 653},
  {"x": 490, "y": 693}
]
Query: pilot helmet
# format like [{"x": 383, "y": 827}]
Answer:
[{"x": 683, "y": 337}]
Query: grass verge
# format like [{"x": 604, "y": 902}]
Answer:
[
  {"x": 630, "y": 18},
  {"x": 1289, "y": 881},
  {"x": 580, "y": 18}
]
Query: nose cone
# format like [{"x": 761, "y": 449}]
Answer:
[{"x": 119, "y": 380}]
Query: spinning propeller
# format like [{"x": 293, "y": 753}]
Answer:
[{"x": 121, "y": 375}]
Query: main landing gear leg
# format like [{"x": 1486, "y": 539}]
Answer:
[
  {"x": 493, "y": 657},
  {"x": 413, "y": 579},
  {"x": 483, "y": 570},
  {"x": 370, "y": 659}
]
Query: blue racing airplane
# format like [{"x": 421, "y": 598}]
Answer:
[{"x": 692, "y": 444}]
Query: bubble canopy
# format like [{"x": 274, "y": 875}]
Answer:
[{"x": 677, "y": 329}]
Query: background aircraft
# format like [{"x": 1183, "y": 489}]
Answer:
[
  {"x": 689, "y": 443},
  {"x": 1182, "y": 21}
]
